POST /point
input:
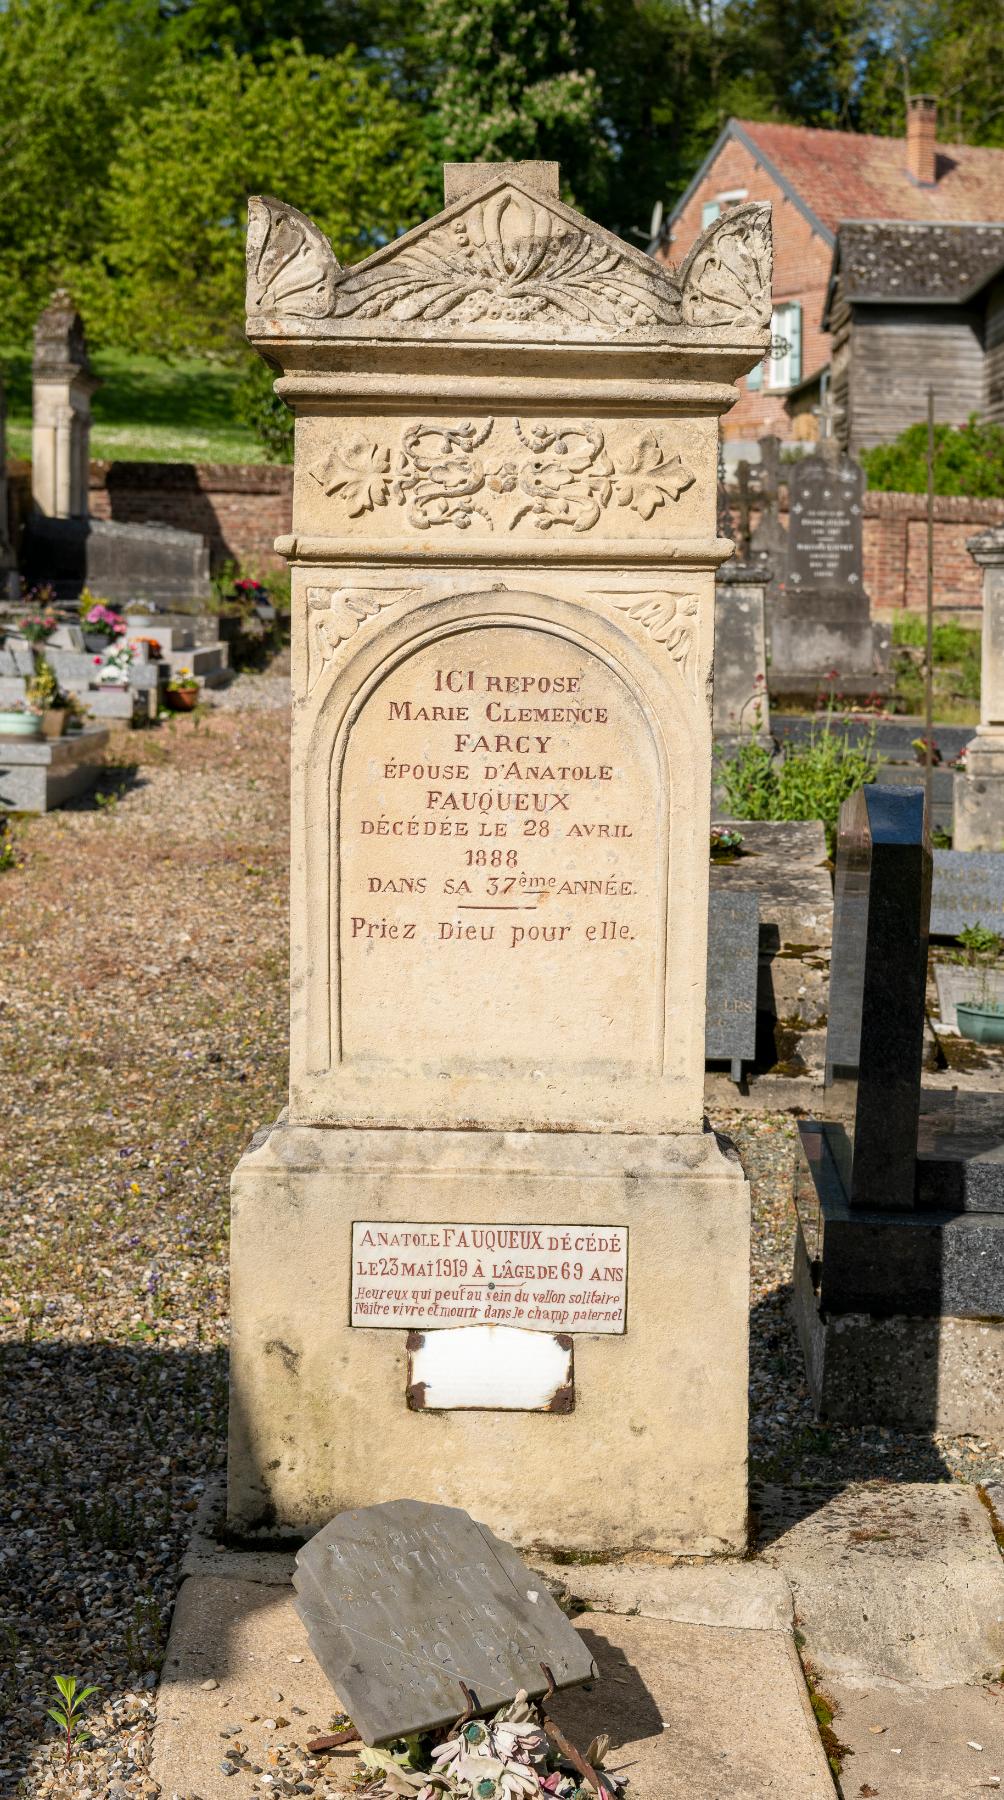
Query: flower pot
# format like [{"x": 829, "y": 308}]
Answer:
[
  {"x": 983, "y": 1024},
  {"x": 54, "y": 721},
  {"x": 20, "y": 724},
  {"x": 182, "y": 699},
  {"x": 97, "y": 640}
]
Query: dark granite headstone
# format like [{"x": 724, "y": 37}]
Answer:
[
  {"x": 825, "y": 496},
  {"x": 878, "y": 979},
  {"x": 154, "y": 563},
  {"x": 733, "y": 958},
  {"x": 968, "y": 890},
  {"x": 404, "y": 1601}
]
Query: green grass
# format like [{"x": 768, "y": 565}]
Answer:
[
  {"x": 147, "y": 411},
  {"x": 957, "y": 651}
]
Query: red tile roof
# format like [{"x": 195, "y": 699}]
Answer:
[{"x": 846, "y": 175}]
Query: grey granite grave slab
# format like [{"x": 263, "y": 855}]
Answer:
[
  {"x": 968, "y": 889},
  {"x": 733, "y": 959},
  {"x": 17, "y": 658},
  {"x": 404, "y": 1601},
  {"x": 784, "y": 863},
  {"x": 37, "y": 774}
]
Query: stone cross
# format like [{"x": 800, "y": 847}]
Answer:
[
  {"x": 503, "y": 556},
  {"x": 979, "y": 787},
  {"x": 62, "y": 385}
]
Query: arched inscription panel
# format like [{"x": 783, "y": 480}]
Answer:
[{"x": 501, "y": 893}]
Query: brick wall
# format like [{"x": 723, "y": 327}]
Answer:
[
  {"x": 239, "y": 510},
  {"x": 801, "y": 272}
]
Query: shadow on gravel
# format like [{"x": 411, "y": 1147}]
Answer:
[
  {"x": 105, "y": 1450},
  {"x": 115, "y": 780},
  {"x": 813, "y": 1459}
]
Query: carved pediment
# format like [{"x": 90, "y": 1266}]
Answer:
[{"x": 505, "y": 256}]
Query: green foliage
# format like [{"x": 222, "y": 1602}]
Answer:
[
  {"x": 509, "y": 83},
  {"x": 67, "y": 1716},
  {"x": 327, "y": 134},
  {"x": 967, "y": 460},
  {"x": 957, "y": 653},
  {"x": 980, "y": 943},
  {"x": 809, "y": 780},
  {"x": 259, "y": 407}
]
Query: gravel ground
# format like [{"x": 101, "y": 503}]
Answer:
[{"x": 143, "y": 1035}]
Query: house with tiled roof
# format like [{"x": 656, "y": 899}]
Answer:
[{"x": 817, "y": 180}]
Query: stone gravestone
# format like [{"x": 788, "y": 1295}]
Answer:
[
  {"x": 741, "y": 703},
  {"x": 767, "y": 541},
  {"x": 733, "y": 961},
  {"x": 899, "y": 1262},
  {"x": 403, "y": 1603},
  {"x": 821, "y": 635},
  {"x": 979, "y": 787},
  {"x": 503, "y": 554},
  {"x": 968, "y": 890}
]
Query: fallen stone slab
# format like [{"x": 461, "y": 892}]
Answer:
[
  {"x": 892, "y": 1583},
  {"x": 697, "y": 1705},
  {"x": 919, "y": 1743}
]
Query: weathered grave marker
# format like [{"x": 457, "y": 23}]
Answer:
[
  {"x": 820, "y": 628},
  {"x": 979, "y": 786},
  {"x": 733, "y": 961},
  {"x": 968, "y": 890},
  {"x": 503, "y": 556},
  {"x": 406, "y": 1605}
]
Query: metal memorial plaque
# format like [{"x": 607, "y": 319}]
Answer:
[
  {"x": 733, "y": 958},
  {"x": 825, "y": 499},
  {"x": 404, "y": 1602},
  {"x": 968, "y": 889},
  {"x": 426, "y": 1276}
]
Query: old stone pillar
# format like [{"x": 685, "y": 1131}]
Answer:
[
  {"x": 741, "y": 699},
  {"x": 62, "y": 386},
  {"x": 979, "y": 787},
  {"x": 492, "y": 1252}
]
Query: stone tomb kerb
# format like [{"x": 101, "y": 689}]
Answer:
[{"x": 491, "y": 1256}]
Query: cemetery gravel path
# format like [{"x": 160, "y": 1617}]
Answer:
[{"x": 143, "y": 1035}]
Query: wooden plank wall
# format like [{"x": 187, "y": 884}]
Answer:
[{"x": 895, "y": 352}]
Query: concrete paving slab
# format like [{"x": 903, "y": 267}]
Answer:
[
  {"x": 891, "y": 1583},
  {"x": 915, "y": 1744},
  {"x": 701, "y": 1711},
  {"x": 234, "y": 1646},
  {"x": 742, "y": 1595}
]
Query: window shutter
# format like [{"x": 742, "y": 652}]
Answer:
[
  {"x": 709, "y": 213},
  {"x": 754, "y": 380},
  {"x": 794, "y": 336}
]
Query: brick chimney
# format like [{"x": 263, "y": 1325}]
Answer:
[{"x": 922, "y": 138}]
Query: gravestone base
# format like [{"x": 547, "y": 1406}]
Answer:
[
  {"x": 979, "y": 795},
  {"x": 900, "y": 1314},
  {"x": 320, "y": 1418},
  {"x": 38, "y": 774}
]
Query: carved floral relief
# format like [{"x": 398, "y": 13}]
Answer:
[
  {"x": 671, "y": 619},
  {"x": 334, "y": 614},
  {"x": 557, "y": 475}
]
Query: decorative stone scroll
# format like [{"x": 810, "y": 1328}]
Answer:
[{"x": 510, "y": 258}]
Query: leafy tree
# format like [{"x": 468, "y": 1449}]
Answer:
[
  {"x": 968, "y": 460},
  {"x": 69, "y": 73},
  {"x": 325, "y": 134},
  {"x": 509, "y": 82}
]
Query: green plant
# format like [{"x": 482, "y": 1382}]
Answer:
[
  {"x": 809, "y": 780},
  {"x": 67, "y": 1716},
  {"x": 258, "y": 406},
  {"x": 183, "y": 683},
  {"x": 968, "y": 459},
  {"x": 981, "y": 951},
  {"x": 43, "y": 690},
  {"x": 9, "y": 858}
]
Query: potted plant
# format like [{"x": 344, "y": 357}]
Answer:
[
  {"x": 102, "y": 623},
  {"x": 182, "y": 691},
  {"x": 113, "y": 667},
  {"x": 20, "y": 720},
  {"x": 980, "y": 1016},
  {"x": 38, "y": 627},
  {"x": 46, "y": 696}
]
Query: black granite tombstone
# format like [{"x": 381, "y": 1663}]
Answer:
[
  {"x": 899, "y": 1258},
  {"x": 878, "y": 978},
  {"x": 733, "y": 960},
  {"x": 407, "y": 1603}
]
